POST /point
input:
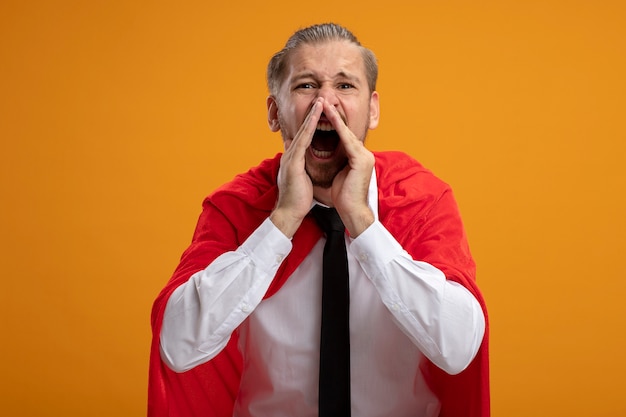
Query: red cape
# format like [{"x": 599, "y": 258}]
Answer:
[{"x": 418, "y": 209}]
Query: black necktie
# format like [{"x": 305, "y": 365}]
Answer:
[{"x": 334, "y": 385}]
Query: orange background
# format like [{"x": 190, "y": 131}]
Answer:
[{"x": 118, "y": 117}]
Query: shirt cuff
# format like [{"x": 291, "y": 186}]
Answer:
[
  {"x": 375, "y": 248},
  {"x": 267, "y": 246}
]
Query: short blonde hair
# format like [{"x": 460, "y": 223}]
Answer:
[{"x": 317, "y": 34}]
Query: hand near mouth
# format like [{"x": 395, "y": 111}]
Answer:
[
  {"x": 349, "y": 190},
  {"x": 295, "y": 190}
]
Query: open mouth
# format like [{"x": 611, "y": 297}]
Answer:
[{"x": 325, "y": 140}]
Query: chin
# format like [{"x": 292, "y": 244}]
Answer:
[
  {"x": 322, "y": 183},
  {"x": 322, "y": 180},
  {"x": 322, "y": 175}
]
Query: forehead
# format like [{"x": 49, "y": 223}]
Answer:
[{"x": 327, "y": 59}]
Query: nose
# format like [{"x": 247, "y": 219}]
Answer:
[{"x": 329, "y": 94}]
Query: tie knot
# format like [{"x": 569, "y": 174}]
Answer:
[{"x": 328, "y": 219}]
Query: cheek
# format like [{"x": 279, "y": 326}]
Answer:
[
  {"x": 356, "y": 115},
  {"x": 290, "y": 120},
  {"x": 286, "y": 116}
]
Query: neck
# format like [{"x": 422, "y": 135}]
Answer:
[{"x": 323, "y": 195}]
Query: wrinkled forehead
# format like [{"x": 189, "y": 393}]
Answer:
[{"x": 326, "y": 58}]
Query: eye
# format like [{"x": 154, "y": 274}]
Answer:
[
  {"x": 305, "y": 86},
  {"x": 345, "y": 86}
]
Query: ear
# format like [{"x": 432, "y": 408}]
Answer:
[
  {"x": 272, "y": 114},
  {"x": 374, "y": 110}
]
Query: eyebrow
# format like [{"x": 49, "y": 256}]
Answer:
[{"x": 340, "y": 75}]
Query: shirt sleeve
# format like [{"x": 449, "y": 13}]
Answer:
[
  {"x": 202, "y": 313},
  {"x": 441, "y": 317}
]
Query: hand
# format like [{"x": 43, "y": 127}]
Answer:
[
  {"x": 350, "y": 186},
  {"x": 295, "y": 190}
]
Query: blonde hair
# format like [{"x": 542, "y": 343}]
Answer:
[{"x": 318, "y": 34}]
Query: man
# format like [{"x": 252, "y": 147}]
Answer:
[{"x": 237, "y": 328}]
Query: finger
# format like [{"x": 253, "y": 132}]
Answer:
[
  {"x": 350, "y": 142},
  {"x": 304, "y": 136},
  {"x": 335, "y": 119},
  {"x": 294, "y": 157}
]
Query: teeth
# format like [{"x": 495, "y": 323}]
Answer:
[
  {"x": 322, "y": 154},
  {"x": 324, "y": 126}
]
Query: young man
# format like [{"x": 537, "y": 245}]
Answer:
[{"x": 237, "y": 328}]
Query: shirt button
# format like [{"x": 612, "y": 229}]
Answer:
[
  {"x": 363, "y": 257},
  {"x": 394, "y": 306},
  {"x": 279, "y": 258},
  {"x": 245, "y": 308}
]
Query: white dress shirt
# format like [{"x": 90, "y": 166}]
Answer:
[{"x": 401, "y": 311}]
